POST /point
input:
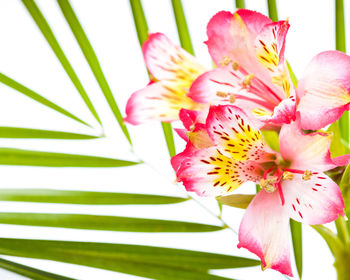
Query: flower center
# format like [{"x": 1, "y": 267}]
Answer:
[{"x": 272, "y": 179}]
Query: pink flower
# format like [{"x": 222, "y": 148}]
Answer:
[
  {"x": 324, "y": 90},
  {"x": 232, "y": 151},
  {"x": 249, "y": 50},
  {"x": 173, "y": 70}
]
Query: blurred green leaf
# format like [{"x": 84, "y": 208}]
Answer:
[
  {"x": 236, "y": 200},
  {"x": 30, "y": 272},
  {"x": 272, "y": 7},
  {"x": 182, "y": 28},
  {"x": 330, "y": 237},
  {"x": 56, "y": 48},
  {"x": 292, "y": 75},
  {"x": 271, "y": 138},
  {"x": 338, "y": 146},
  {"x": 169, "y": 138},
  {"x": 340, "y": 43},
  {"x": 297, "y": 239},
  {"x": 240, "y": 4},
  {"x": 82, "y": 197},
  {"x": 20, "y": 132},
  {"x": 345, "y": 187},
  {"x": 91, "y": 58},
  {"x": 145, "y": 261},
  {"x": 33, "y": 95},
  {"x": 98, "y": 222},
  {"x": 12, "y": 156},
  {"x": 139, "y": 20}
]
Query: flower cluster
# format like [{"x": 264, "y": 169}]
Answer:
[{"x": 223, "y": 112}]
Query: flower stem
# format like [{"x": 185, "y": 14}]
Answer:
[
  {"x": 240, "y": 4},
  {"x": 342, "y": 230},
  {"x": 340, "y": 44},
  {"x": 272, "y": 7},
  {"x": 182, "y": 29}
]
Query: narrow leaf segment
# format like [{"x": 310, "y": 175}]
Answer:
[
  {"x": 91, "y": 58},
  {"x": 12, "y": 156},
  {"x": 144, "y": 261},
  {"x": 82, "y": 197},
  {"x": 37, "y": 97},
  {"x": 45, "y": 29},
  {"x": 97, "y": 222}
]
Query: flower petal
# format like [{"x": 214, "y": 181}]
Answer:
[
  {"x": 208, "y": 172},
  {"x": 314, "y": 201},
  {"x": 167, "y": 61},
  {"x": 264, "y": 231},
  {"x": 235, "y": 134},
  {"x": 305, "y": 151},
  {"x": 324, "y": 90},
  {"x": 270, "y": 44},
  {"x": 157, "y": 101}
]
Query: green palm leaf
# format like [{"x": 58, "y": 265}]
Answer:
[
  {"x": 37, "y": 97},
  {"x": 82, "y": 197},
  {"x": 50, "y": 38},
  {"x": 30, "y": 272},
  {"x": 20, "y": 132},
  {"x": 11, "y": 156},
  {"x": 146, "y": 261},
  {"x": 91, "y": 58},
  {"x": 98, "y": 222}
]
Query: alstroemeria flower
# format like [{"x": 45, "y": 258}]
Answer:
[
  {"x": 293, "y": 181},
  {"x": 249, "y": 50},
  {"x": 172, "y": 72},
  {"x": 324, "y": 90}
]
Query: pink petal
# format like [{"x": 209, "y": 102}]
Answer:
[
  {"x": 190, "y": 118},
  {"x": 157, "y": 101},
  {"x": 235, "y": 134},
  {"x": 264, "y": 231},
  {"x": 283, "y": 113},
  {"x": 324, "y": 91},
  {"x": 208, "y": 172},
  {"x": 305, "y": 151},
  {"x": 182, "y": 133},
  {"x": 314, "y": 201},
  {"x": 270, "y": 44},
  {"x": 212, "y": 86},
  {"x": 167, "y": 61},
  {"x": 255, "y": 21}
]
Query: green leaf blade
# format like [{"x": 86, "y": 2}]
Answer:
[
  {"x": 236, "y": 200},
  {"x": 139, "y": 20},
  {"x": 92, "y": 60},
  {"x": 45, "y": 29},
  {"x": 20, "y": 132},
  {"x": 340, "y": 42},
  {"x": 182, "y": 28},
  {"x": 83, "y": 197},
  {"x": 98, "y": 222},
  {"x": 30, "y": 272},
  {"x": 37, "y": 97},
  {"x": 169, "y": 138},
  {"x": 272, "y": 7},
  {"x": 297, "y": 240},
  {"x": 146, "y": 261},
  {"x": 12, "y": 156},
  {"x": 240, "y": 4}
]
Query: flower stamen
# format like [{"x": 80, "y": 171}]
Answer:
[
  {"x": 307, "y": 175},
  {"x": 247, "y": 81}
]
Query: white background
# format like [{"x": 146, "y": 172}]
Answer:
[{"x": 26, "y": 57}]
